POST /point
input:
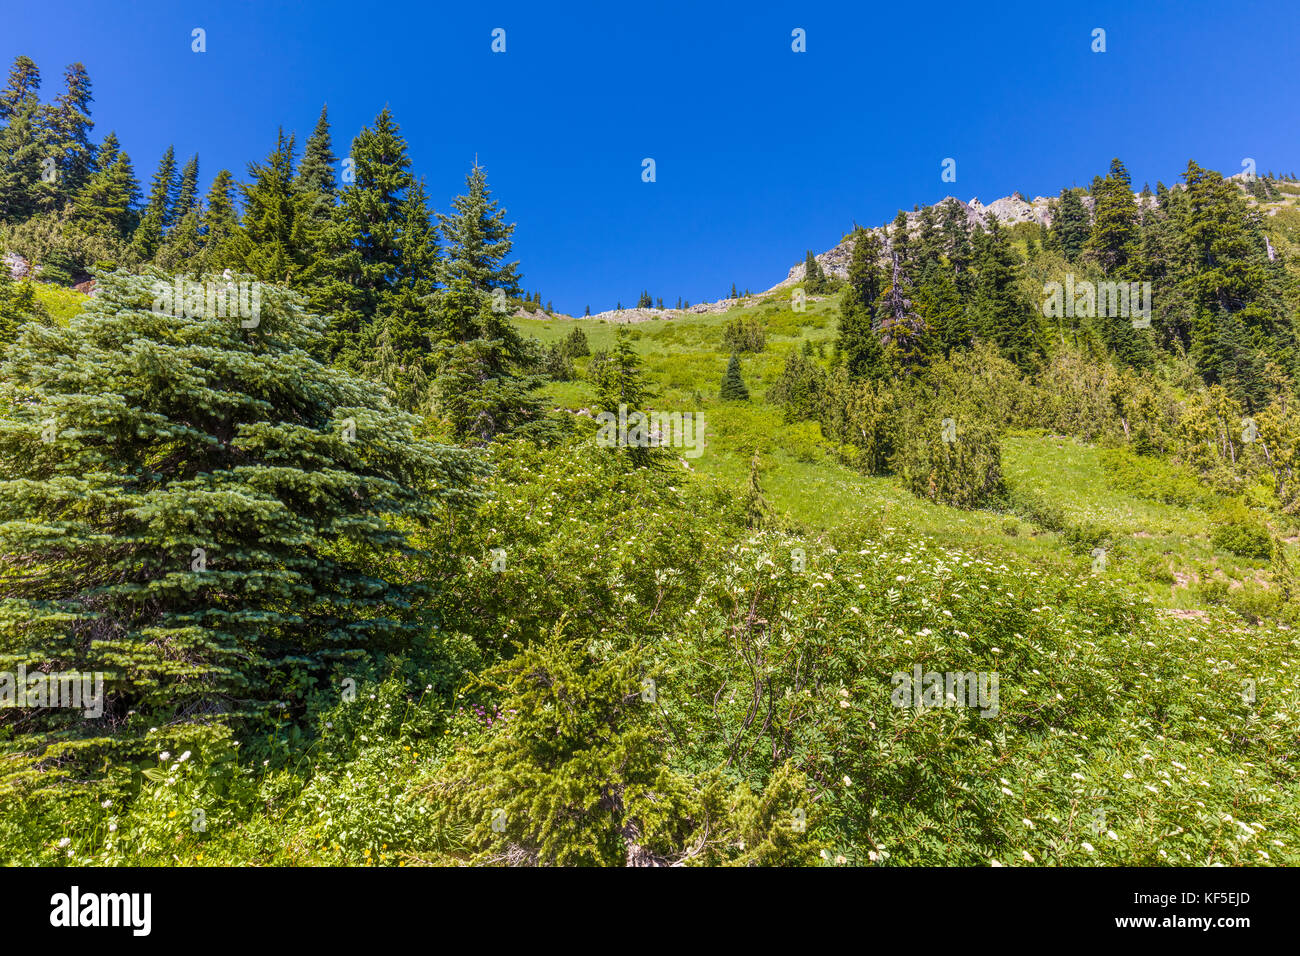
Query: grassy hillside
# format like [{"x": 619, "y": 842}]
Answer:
[{"x": 1161, "y": 549}]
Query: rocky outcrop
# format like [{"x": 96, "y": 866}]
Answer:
[
  {"x": 1008, "y": 211},
  {"x": 19, "y": 268}
]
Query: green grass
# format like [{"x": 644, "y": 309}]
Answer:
[{"x": 1158, "y": 549}]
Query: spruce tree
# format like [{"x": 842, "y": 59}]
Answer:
[
  {"x": 1070, "y": 226},
  {"x": 859, "y": 340},
  {"x": 219, "y": 224},
  {"x": 479, "y": 239},
  {"x": 733, "y": 385},
  {"x": 1002, "y": 314},
  {"x": 70, "y": 127},
  {"x": 357, "y": 258},
  {"x": 1113, "y": 240},
  {"x": 208, "y": 507}
]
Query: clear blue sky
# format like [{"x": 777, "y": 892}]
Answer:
[{"x": 761, "y": 152}]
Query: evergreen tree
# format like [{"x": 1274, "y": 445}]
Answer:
[
  {"x": 273, "y": 243},
  {"x": 22, "y": 92},
  {"x": 1070, "y": 226},
  {"x": 859, "y": 340},
  {"x": 315, "y": 182},
  {"x": 70, "y": 126},
  {"x": 575, "y": 344},
  {"x": 106, "y": 205},
  {"x": 156, "y": 216},
  {"x": 618, "y": 379},
  {"x": 357, "y": 258},
  {"x": 213, "y": 506},
  {"x": 407, "y": 326},
  {"x": 906, "y": 340},
  {"x": 1002, "y": 315},
  {"x": 25, "y": 156},
  {"x": 1113, "y": 240},
  {"x": 219, "y": 224},
  {"x": 733, "y": 385},
  {"x": 479, "y": 239},
  {"x": 814, "y": 282},
  {"x": 187, "y": 195}
]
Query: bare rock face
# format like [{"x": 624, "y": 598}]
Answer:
[{"x": 19, "y": 268}]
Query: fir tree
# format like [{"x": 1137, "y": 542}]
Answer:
[
  {"x": 273, "y": 243},
  {"x": 212, "y": 507},
  {"x": 1070, "y": 226},
  {"x": 22, "y": 91},
  {"x": 156, "y": 216},
  {"x": 315, "y": 182},
  {"x": 479, "y": 239},
  {"x": 733, "y": 385},
  {"x": 357, "y": 258},
  {"x": 25, "y": 155},
  {"x": 70, "y": 126},
  {"x": 1113, "y": 240},
  {"x": 106, "y": 205},
  {"x": 1002, "y": 315},
  {"x": 814, "y": 282},
  {"x": 858, "y": 340},
  {"x": 219, "y": 223}
]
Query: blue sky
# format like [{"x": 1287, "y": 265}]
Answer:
[{"x": 760, "y": 152}]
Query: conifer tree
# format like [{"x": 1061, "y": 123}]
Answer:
[
  {"x": 905, "y": 338},
  {"x": 479, "y": 239},
  {"x": 187, "y": 195},
  {"x": 405, "y": 324},
  {"x": 106, "y": 205},
  {"x": 618, "y": 378},
  {"x": 70, "y": 127},
  {"x": 1002, "y": 315},
  {"x": 156, "y": 216},
  {"x": 814, "y": 282},
  {"x": 219, "y": 224},
  {"x": 733, "y": 385},
  {"x": 25, "y": 154},
  {"x": 1070, "y": 226},
  {"x": 26, "y": 149},
  {"x": 1113, "y": 240},
  {"x": 209, "y": 505},
  {"x": 859, "y": 340},
  {"x": 22, "y": 91},
  {"x": 273, "y": 243},
  {"x": 184, "y": 242},
  {"x": 315, "y": 181},
  {"x": 357, "y": 259}
]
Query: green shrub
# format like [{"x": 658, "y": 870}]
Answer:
[
  {"x": 1034, "y": 507},
  {"x": 965, "y": 472},
  {"x": 1239, "y": 532}
]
